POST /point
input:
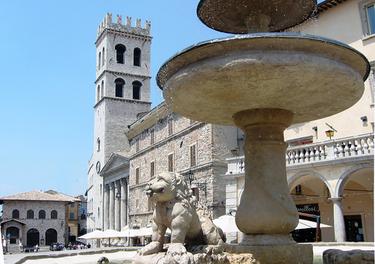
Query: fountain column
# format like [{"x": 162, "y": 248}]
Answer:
[
  {"x": 338, "y": 219},
  {"x": 266, "y": 207},
  {"x": 266, "y": 213}
]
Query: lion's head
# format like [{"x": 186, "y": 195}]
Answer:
[{"x": 167, "y": 186}]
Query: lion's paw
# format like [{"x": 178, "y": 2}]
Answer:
[
  {"x": 214, "y": 249},
  {"x": 151, "y": 248},
  {"x": 176, "y": 249}
]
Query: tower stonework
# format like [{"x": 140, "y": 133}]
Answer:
[{"x": 122, "y": 94}]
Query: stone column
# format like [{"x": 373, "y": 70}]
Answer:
[
  {"x": 106, "y": 207},
  {"x": 124, "y": 197},
  {"x": 117, "y": 211},
  {"x": 266, "y": 213},
  {"x": 111, "y": 205},
  {"x": 266, "y": 206},
  {"x": 338, "y": 220}
]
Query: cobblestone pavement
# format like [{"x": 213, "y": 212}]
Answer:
[{"x": 119, "y": 255}]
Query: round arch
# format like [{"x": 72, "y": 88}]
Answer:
[
  {"x": 344, "y": 178},
  {"x": 32, "y": 237},
  {"x": 296, "y": 176},
  {"x": 51, "y": 236},
  {"x": 119, "y": 87},
  {"x": 14, "y": 234}
]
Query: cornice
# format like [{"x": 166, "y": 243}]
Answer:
[
  {"x": 120, "y": 33},
  {"x": 122, "y": 74},
  {"x": 120, "y": 99},
  {"x": 148, "y": 120}
]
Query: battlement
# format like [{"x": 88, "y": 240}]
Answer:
[{"x": 126, "y": 28}]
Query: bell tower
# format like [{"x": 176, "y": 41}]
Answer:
[{"x": 122, "y": 93}]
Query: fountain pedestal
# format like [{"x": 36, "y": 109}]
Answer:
[
  {"x": 265, "y": 175},
  {"x": 267, "y": 231}
]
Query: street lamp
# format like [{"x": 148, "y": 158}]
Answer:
[
  {"x": 190, "y": 175},
  {"x": 330, "y": 133}
]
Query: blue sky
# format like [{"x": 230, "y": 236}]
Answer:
[
  {"x": 48, "y": 71},
  {"x": 47, "y": 82}
]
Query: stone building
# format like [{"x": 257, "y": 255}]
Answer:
[
  {"x": 331, "y": 175},
  {"x": 165, "y": 141},
  {"x": 36, "y": 218}
]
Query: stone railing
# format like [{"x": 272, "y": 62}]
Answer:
[
  {"x": 236, "y": 165},
  {"x": 332, "y": 149},
  {"x": 335, "y": 149}
]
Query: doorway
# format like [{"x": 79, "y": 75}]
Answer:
[
  {"x": 353, "y": 227},
  {"x": 51, "y": 236},
  {"x": 14, "y": 234},
  {"x": 32, "y": 237}
]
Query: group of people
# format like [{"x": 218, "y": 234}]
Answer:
[{"x": 71, "y": 246}]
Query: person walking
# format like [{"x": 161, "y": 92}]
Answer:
[{"x": 20, "y": 245}]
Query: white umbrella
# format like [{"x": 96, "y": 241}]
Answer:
[
  {"x": 227, "y": 223},
  {"x": 145, "y": 231},
  {"x": 91, "y": 235},
  {"x": 129, "y": 233},
  {"x": 306, "y": 224},
  {"x": 109, "y": 233}
]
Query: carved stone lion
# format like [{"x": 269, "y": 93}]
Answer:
[{"x": 176, "y": 208}]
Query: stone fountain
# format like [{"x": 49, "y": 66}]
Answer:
[{"x": 263, "y": 82}]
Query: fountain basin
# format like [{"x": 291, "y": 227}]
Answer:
[
  {"x": 312, "y": 77},
  {"x": 251, "y": 16}
]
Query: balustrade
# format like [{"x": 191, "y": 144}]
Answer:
[{"x": 316, "y": 152}]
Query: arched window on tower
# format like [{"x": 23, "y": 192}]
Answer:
[
  {"x": 120, "y": 52},
  {"x": 137, "y": 90},
  {"x": 99, "y": 60},
  {"x": 103, "y": 57},
  {"x": 98, "y": 94},
  {"x": 98, "y": 144},
  {"x": 119, "y": 87},
  {"x": 102, "y": 90},
  {"x": 137, "y": 57}
]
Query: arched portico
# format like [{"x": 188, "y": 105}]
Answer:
[
  {"x": 354, "y": 192},
  {"x": 311, "y": 192}
]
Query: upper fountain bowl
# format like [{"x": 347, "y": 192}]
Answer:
[
  {"x": 311, "y": 76},
  {"x": 253, "y": 16}
]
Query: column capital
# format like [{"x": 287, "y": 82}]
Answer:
[
  {"x": 336, "y": 199},
  {"x": 122, "y": 182}
]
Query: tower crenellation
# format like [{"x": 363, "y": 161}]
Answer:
[{"x": 108, "y": 24}]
